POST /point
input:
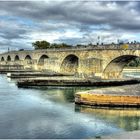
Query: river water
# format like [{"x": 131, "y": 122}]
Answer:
[{"x": 51, "y": 113}]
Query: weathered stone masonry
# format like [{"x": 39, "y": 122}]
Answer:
[{"x": 83, "y": 62}]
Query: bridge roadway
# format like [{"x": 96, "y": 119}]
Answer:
[{"x": 85, "y": 62}]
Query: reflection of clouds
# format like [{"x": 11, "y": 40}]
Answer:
[
  {"x": 64, "y": 122},
  {"x": 61, "y": 121},
  {"x": 29, "y": 115}
]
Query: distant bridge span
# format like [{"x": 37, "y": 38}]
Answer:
[{"x": 106, "y": 64}]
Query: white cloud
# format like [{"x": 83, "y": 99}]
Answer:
[{"x": 73, "y": 22}]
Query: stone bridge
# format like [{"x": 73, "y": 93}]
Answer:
[{"x": 107, "y": 64}]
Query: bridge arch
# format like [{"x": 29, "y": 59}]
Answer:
[
  {"x": 70, "y": 64},
  {"x": 16, "y": 58},
  {"x": 2, "y": 59},
  {"x": 42, "y": 59},
  {"x": 28, "y": 59},
  {"x": 114, "y": 68},
  {"x": 8, "y": 58}
]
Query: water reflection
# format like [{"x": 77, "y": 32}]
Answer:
[
  {"x": 59, "y": 94},
  {"x": 45, "y": 113},
  {"x": 128, "y": 119},
  {"x": 48, "y": 112}
]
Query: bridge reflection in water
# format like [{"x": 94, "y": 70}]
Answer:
[{"x": 127, "y": 119}]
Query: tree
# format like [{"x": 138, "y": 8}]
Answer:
[
  {"x": 63, "y": 45},
  {"x": 41, "y": 45},
  {"x": 54, "y": 45},
  {"x": 45, "y": 45},
  {"x": 134, "y": 63}
]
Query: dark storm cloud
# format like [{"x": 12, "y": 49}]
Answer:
[
  {"x": 16, "y": 34},
  {"x": 116, "y": 14},
  {"x": 5, "y": 43},
  {"x": 24, "y": 20}
]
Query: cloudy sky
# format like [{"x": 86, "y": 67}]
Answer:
[{"x": 72, "y": 22}]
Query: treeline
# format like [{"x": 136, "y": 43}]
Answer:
[
  {"x": 46, "y": 45},
  {"x": 134, "y": 63}
]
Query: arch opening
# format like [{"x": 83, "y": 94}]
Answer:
[
  {"x": 2, "y": 59},
  {"x": 42, "y": 59},
  {"x": 70, "y": 64},
  {"x": 114, "y": 69},
  {"x": 28, "y": 59},
  {"x": 16, "y": 58},
  {"x": 8, "y": 58}
]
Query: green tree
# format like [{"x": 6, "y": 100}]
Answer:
[
  {"x": 45, "y": 45},
  {"x": 41, "y": 45},
  {"x": 64, "y": 45},
  {"x": 134, "y": 63},
  {"x": 54, "y": 45}
]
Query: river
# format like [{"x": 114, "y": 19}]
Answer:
[{"x": 48, "y": 112}]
